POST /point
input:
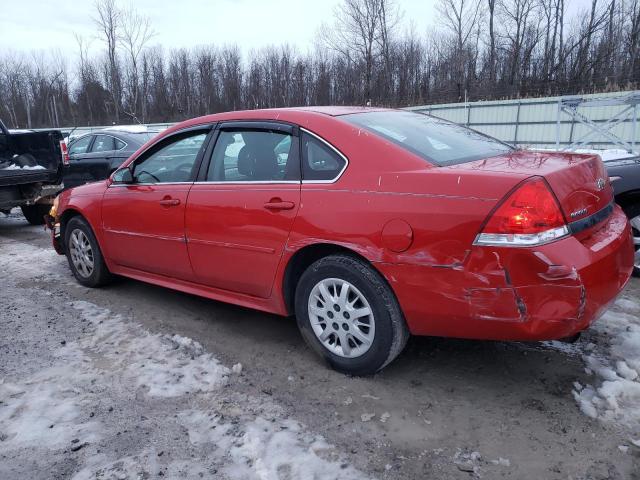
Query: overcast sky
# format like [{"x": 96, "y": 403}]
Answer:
[{"x": 27, "y": 25}]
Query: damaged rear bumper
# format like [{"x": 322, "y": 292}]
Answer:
[{"x": 538, "y": 293}]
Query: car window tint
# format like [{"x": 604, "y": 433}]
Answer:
[
  {"x": 119, "y": 144},
  {"x": 437, "y": 141},
  {"x": 253, "y": 156},
  {"x": 103, "y": 143},
  {"x": 320, "y": 162},
  {"x": 80, "y": 146},
  {"x": 172, "y": 161}
]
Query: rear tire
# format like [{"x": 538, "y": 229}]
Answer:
[
  {"x": 633, "y": 212},
  {"x": 84, "y": 254},
  {"x": 332, "y": 299},
  {"x": 35, "y": 213}
]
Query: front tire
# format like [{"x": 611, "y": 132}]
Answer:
[
  {"x": 84, "y": 254},
  {"x": 633, "y": 212},
  {"x": 348, "y": 314},
  {"x": 35, "y": 213}
]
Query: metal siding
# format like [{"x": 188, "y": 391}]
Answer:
[{"x": 536, "y": 121}]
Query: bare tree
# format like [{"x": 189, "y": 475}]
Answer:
[
  {"x": 521, "y": 48},
  {"x": 108, "y": 21},
  {"x": 136, "y": 34},
  {"x": 461, "y": 18},
  {"x": 361, "y": 33}
]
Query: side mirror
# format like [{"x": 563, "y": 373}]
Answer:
[{"x": 122, "y": 175}]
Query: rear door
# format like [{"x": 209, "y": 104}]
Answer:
[
  {"x": 240, "y": 212},
  {"x": 143, "y": 222}
]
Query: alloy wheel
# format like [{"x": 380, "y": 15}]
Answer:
[
  {"x": 81, "y": 253},
  {"x": 341, "y": 317}
]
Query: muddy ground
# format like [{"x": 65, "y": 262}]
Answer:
[{"x": 445, "y": 409}]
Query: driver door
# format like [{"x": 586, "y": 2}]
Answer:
[{"x": 143, "y": 221}]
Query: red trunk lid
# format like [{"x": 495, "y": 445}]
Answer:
[{"x": 579, "y": 181}]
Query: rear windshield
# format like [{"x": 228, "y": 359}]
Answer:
[
  {"x": 145, "y": 136},
  {"x": 437, "y": 141}
]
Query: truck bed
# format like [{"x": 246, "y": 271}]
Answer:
[{"x": 29, "y": 157}]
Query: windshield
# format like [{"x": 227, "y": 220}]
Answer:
[{"x": 437, "y": 141}]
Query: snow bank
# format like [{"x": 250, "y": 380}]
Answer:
[{"x": 614, "y": 363}]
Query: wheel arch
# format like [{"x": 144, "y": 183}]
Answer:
[
  {"x": 305, "y": 257},
  {"x": 66, "y": 216}
]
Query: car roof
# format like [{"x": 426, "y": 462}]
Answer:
[
  {"x": 137, "y": 138},
  {"x": 333, "y": 111},
  {"x": 296, "y": 115}
]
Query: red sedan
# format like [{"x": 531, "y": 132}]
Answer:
[{"x": 367, "y": 224}]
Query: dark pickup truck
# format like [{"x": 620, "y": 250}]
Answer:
[{"x": 30, "y": 171}]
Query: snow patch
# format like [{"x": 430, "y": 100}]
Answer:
[
  {"x": 614, "y": 395},
  {"x": 267, "y": 451},
  {"x": 143, "y": 465},
  {"x": 13, "y": 166},
  {"x": 240, "y": 435},
  {"x": 167, "y": 366},
  {"x": 47, "y": 407}
]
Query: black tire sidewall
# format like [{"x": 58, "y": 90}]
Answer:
[
  {"x": 377, "y": 293},
  {"x": 99, "y": 272},
  {"x": 632, "y": 211}
]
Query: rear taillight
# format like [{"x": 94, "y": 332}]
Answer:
[
  {"x": 530, "y": 215},
  {"x": 65, "y": 152}
]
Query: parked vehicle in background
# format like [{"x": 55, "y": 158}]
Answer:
[
  {"x": 367, "y": 224},
  {"x": 625, "y": 178},
  {"x": 30, "y": 171},
  {"x": 96, "y": 155}
]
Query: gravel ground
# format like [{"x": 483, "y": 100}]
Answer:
[{"x": 136, "y": 381}]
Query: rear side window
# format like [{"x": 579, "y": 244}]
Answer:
[
  {"x": 437, "y": 141},
  {"x": 119, "y": 144},
  {"x": 319, "y": 161},
  {"x": 103, "y": 143},
  {"x": 254, "y": 156}
]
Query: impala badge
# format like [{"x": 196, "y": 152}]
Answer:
[
  {"x": 600, "y": 183},
  {"x": 578, "y": 213}
]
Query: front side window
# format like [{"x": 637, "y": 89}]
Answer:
[
  {"x": 253, "y": 156},
  {"x": 103, "y": 143},
  {"x": 173, "y": 161},
  {"x": 81, "y": 145},
  {"x": 319, "y": 161},
  {"x": 437, "y": 141}
]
